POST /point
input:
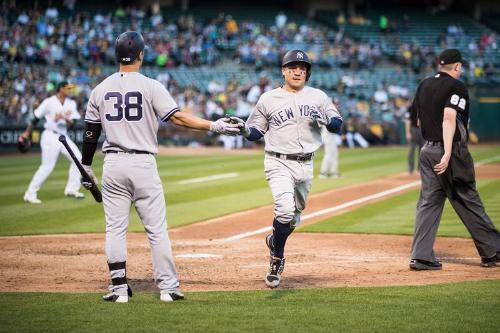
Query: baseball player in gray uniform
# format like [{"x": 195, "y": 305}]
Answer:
[
  {"x": 128, "y": 106},
  {"x": 290, "y": 119}
]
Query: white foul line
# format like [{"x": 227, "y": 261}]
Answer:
[
  {"x": 208, "y": 178},
  {"x": 343, "y": 206},
  {"x": 487, "y": 160},
  {"x": 327, "y": 210}
]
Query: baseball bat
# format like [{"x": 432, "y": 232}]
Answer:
[{"x": 94, "y": 189}]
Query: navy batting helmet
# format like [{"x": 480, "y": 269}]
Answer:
[
  {"x": 297, "y": 56},
  {"x": 128, "y": 46}
]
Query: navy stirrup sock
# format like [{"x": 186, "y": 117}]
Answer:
[{"x": 280, "y": 234}]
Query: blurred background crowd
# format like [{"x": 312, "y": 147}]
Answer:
[{"x": 216, "y": 63}]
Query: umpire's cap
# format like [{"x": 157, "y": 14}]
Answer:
[
  {"x": 297, "y": 56},
  {"x": 451, "y": 56},
  {"x": 128, "y": 46}
]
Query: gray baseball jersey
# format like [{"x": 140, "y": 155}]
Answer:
[
  {"x": 128, "y": 106},
  {"x": 285, "y": 119}
]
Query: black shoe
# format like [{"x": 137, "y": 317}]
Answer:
[
  {"x": 421, "y": 265},
  {"x": 270, "y": 244},
  {"x": 273, "y": 277},
  {"x": 490, "y": 261}
]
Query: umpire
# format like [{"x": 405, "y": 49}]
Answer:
[{"x": 441, "y": 105}]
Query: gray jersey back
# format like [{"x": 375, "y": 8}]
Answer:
[
  {"x": 128, "y": 106},
  {"x": 285, "y": 119}
]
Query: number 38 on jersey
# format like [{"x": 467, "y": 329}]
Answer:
[{"x": 128, "y": 106}]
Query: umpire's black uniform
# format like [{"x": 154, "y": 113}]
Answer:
[{"x": 457, "y": 183}]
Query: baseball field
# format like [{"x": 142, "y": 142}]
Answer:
[{"x": 347, "y": 266}]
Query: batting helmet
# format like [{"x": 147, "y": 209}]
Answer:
[
  {"x": 297, "y": 56},
  {"x": 128, "y": 46}
]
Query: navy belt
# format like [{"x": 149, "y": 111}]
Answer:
[
  {"x": 128, "y": 152},
  {"x": 292, "y": 157}
]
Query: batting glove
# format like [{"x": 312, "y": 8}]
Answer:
[
  {"x": 320, "y": 118},
  {"x": 224, "y": 126},
  {"x": 244, "y": 130},
  {"x": 86, "y": 184}
]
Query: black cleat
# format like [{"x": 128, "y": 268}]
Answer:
[
  {"x": 490, "y": 261},
  {"x": 422, "y": 265},
  {"x": 273, "y": 277}
]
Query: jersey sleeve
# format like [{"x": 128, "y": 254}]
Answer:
[
  {"x": 41, "y": 110},
  {"x": 329, "y": 108},
  {"x": 258, "y": 118},
  {"x": 163, "y": 103},
  {"x": 75, "y": 115},
  {"x": 92, "y": 113},
  {"x": 458, "y": 98}
]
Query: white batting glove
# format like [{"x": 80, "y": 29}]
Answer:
[
  {"x": 86, "y": 184},
  {"x": 320, "y": 117},
  {"x": 225, "y": 126}
]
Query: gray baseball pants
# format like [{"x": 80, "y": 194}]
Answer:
[
  {"x": 290, "y": 182},
  {"x": 459, "y": 186},
  {"x": 133, "y": 179}
]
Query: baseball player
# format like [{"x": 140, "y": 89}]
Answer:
[
  {"x": 127, "y": 106},
  {"x": 330, "y": 162},
  {"x": 59, "y": 112},
  {"x": 290, "y": 119}
]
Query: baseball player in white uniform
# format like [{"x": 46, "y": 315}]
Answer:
[
  {"x": 128, "y": 106},
  {"x": 59, "y": 112},
  {"x": 330, "y": 163},
  {"x": 290, "y": 119}
]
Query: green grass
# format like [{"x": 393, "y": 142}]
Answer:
[
  {"x": 396, "y": 215},
  {"x": 186, "y": 203},
  {"x": 462, "y": 307}
]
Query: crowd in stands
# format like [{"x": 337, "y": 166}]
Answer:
[{"x": 41, "y": 46}]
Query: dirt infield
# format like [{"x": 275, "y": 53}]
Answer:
[{"x": 216, "y": 255}]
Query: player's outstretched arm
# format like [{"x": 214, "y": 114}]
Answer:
[{"x": 221, "y": 126}]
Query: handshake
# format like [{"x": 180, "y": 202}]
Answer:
[{"x": 230, "y": 125}]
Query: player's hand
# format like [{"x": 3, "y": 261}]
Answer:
[
  {"x": 225, "y": 126},
  {"x": 441, "y": 167},
  {"x": 408, "y": 137},
  {"x": 67, "y": 115},
  {"x": 58, "y": 116},
  {"x": 244, "y": 130},
  {"x": 86, "y": 184},
  {"x": 320, "y": 118}
]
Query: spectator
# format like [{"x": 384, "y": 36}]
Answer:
[{"x": 280, "y": 20}]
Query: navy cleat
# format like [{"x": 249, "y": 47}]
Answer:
[{"x": 273, "y": 277}]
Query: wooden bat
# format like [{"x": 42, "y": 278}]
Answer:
[{"x": 96, "y": 193}]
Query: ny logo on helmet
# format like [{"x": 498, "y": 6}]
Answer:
[{"x": 300, "y": 55}]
